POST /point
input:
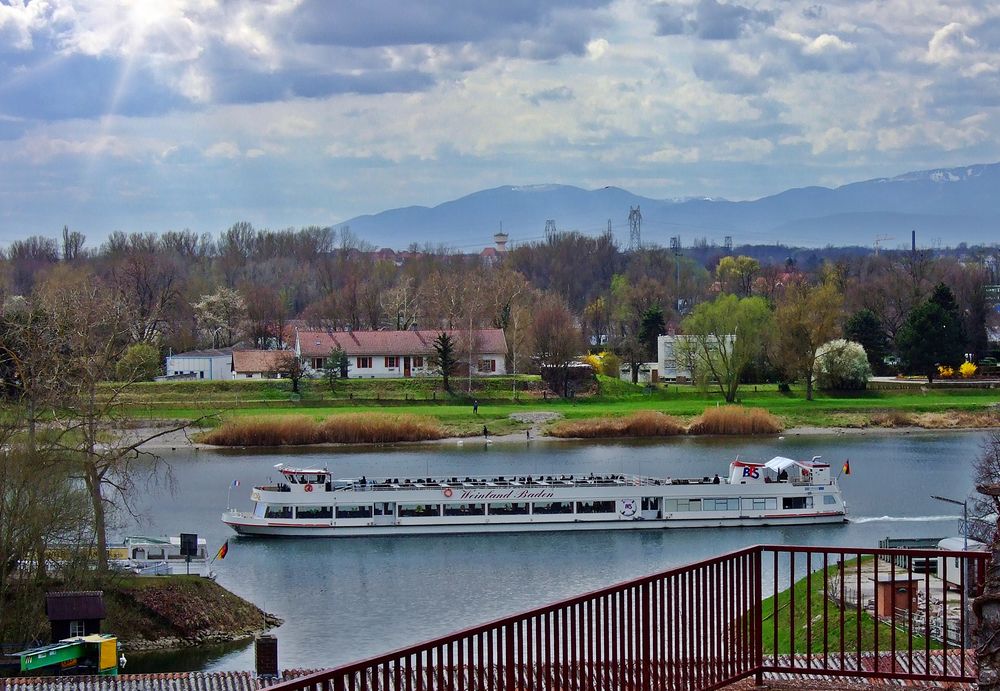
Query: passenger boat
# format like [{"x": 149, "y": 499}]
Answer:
[{"x": 309, "y": 502}]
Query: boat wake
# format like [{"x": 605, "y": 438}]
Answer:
[{"x": 902, "y": 519}]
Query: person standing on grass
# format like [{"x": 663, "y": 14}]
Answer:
[{"x": 475, "y": 407}]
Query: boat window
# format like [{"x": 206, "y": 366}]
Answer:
[
  {"x": 508, "y": 508},
  {"x": 595, "y": 507},
  {"x": 258, "y": 510},
  {"x": 797, "y": 503},
  {"x": 464, "y": 509},
  {"x": 278, "y": 512},
  {"x": 721, "y": 504},
  {"x": 650, "y": 503},
  {"x": 672, "y": 505},
  {"x": 419, "y": 510},
  {"x": 354, "y": 511},
  {"x": 549, "y": 507},
  {"x": 760, "y": 504},
  {"x": 829, "y": 499},
  {"x": 314, "y": 512},
  {"x": 383, "y": 509}
]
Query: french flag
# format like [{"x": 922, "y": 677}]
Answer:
[{"x": 236, "y": 483}]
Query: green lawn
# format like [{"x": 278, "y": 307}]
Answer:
[
  {"x": 189, "y": 400},
  {"x": 809, "y": 603}
]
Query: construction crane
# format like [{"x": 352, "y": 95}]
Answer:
[{"x": 879, "y": 239}]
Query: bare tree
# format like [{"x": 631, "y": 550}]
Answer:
[{"x": 987, "y": 606}]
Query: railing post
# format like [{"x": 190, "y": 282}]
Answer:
[
  {"x": 510, "y": 673},
  {"x": 757, "y": 621}
]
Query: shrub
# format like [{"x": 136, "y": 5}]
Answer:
[
  {"x": 945, "y": 371},
  {"x": 645, "y": 423},
  {"x": 735, "y": 419},
  {"x": 611, "y": 365},
  {"x": 291, "y": 430},
  {"x": 967, "y": 370},
  {"x": 841, "y": 365},
  {"x": 140, "y": 362},
  {"x": 594, "y": 361}
]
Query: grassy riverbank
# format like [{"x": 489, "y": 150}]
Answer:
[
  {"x": 499, "y": 397},
  {"x": 178, "y": 611},
  {"x": 806, "y": 630}
]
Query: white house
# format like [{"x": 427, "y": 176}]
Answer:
[
  {"x": 385, "y": 354},
  {"x": 674, "y": 354},
  {"x": 202, "y": 364}
]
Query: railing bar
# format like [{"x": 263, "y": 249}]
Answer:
[
  {"x": 909, "y": 619},
  {"x": 808, "y": 609},
  {"x": 964, "y": 590},
  {"x": 754, "y": 613},
  {"x": 774, "y": 608},
  {"x": 892, "y": 613},
  {"x": 791, "y": 603},
  {"x": 575, "y": 658},
  {"x": 927, "y": 622},
  {"x": 592, "y": 655},
  {"x": 714, "y": 602},
  {"x": 826, "y": 610},
  {"x": 944, "y": 608},
  {"x": 875, "y": 613},
  {"x": 692, "y": 631},
  {"x": 661, "y": 644},
  {"x": 843, "y": 608},
  {"x": 607, "y": 648}
]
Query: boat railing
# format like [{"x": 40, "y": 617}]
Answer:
[{"x": 544, "y": 482}]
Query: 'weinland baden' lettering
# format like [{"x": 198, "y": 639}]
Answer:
[{"x": 510, "y": 494}]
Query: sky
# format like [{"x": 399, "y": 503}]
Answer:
[{"x": 155, "y": 115}]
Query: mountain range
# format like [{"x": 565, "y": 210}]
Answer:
[{"x": 944, "y": 206}]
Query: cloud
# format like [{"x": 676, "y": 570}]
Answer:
[
  {"x": 710, "y": 20},
  {"x": 948, "y": 44},
  {"x": 557, "y": 93}
]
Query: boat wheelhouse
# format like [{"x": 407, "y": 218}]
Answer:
[{"x": 309, "y": 502}]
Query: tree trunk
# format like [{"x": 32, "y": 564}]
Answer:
[
  {"x": 634, "y": 366},
  {"x": 809, "y": 387},
  {"x": 987, "y": 610},
  {"x": 93, "y": 480}
]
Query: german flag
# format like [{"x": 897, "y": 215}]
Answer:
[
  {"x": 223, "y": 551},
  {"x": 847, "y": 467}
]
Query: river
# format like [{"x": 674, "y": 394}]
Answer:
[{"x": 345, "y": 599}]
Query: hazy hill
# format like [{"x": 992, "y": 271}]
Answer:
[{"x": 944, "y": 205}]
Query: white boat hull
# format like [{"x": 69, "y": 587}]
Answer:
[{"x": 264, "y": 530}]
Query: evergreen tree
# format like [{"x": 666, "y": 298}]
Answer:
[
  {"x": 650, "y": 327},
  {"x": 933, "y": 334},
  {"x": 864, "y": 327},
  {"x": 445, "y": 358}
]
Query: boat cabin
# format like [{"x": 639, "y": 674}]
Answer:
[
  {"x": 304, "y": 480},
  {"x": 780, "y": 469}
]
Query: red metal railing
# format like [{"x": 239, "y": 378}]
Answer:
[{"x": 700, "y": 626}]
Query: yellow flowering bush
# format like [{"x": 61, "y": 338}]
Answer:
[
  {"x": 967, "y": 369},
  {"x": 945, "y": 371},
  {"x": 593, "y": 360}
]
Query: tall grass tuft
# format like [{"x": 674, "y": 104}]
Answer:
[
  {"x": 290, "y": 430},
  {"x": 645, "y": 423},
  {"x": 354, "y": 428},
  {"x": 735, "y": 419},
  {"x": 379, "y": 428}
]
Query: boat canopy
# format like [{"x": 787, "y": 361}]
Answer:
[{"x": 779, "y": 463}]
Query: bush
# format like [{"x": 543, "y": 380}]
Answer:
[
  {"x": 841, "y": 365},
  {"x": 141, "y": 362},
  {"x": 645, "y": 423},
  {"x": 945, "y": 371},
  {"x": 967, "y": 370},
  {"x": 735, "y": 419},
  {"x": 611, "y": 365}
]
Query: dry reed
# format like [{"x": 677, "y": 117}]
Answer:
[
  {"x": 353, "y": 428},
  {"x": 735, "y": 419},
  {"x": 645, "y": 423}
]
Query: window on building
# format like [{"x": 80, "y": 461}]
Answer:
[
  {"x": 318, "y": 362},
  {"x": 487, "y": 365},
  {"x": 392, "y": 361},
  {"x": 418, "y": 360},
  {"x": 364, "y": 362},
  {"x": 77, "y": 628}
]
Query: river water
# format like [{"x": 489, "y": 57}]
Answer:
[{"x": 345, "y": 599}]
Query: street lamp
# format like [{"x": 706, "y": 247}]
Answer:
[
  {"x": 965, "y": 518},
  {"x": 965, "y": 562}
]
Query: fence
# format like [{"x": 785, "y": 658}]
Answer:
[{"x": 700, "y": 626}]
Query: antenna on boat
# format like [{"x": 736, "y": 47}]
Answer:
[
  {"x": 279, "y": 466},
  {"x": 816, "y": 458}
]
